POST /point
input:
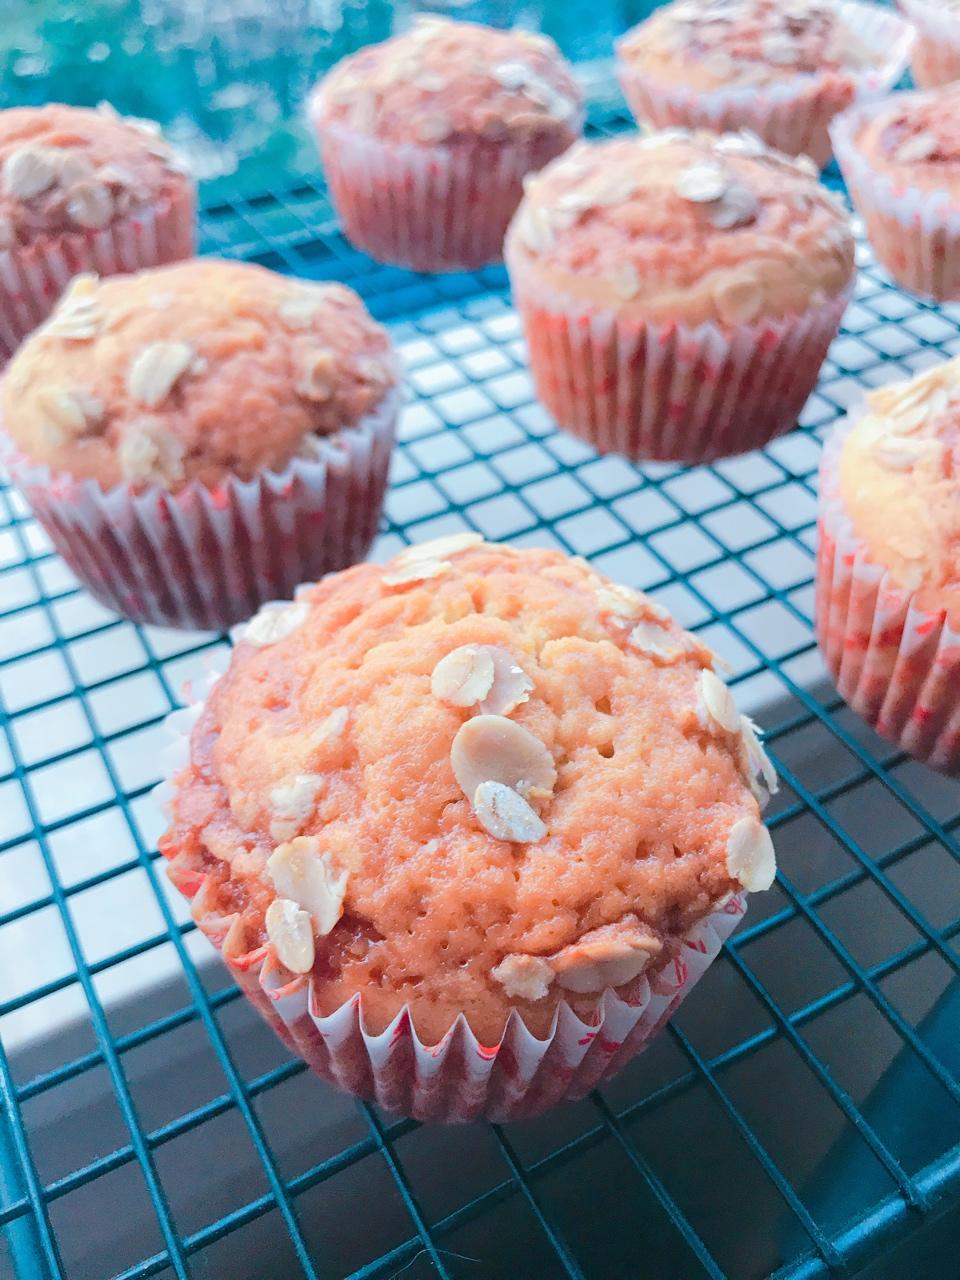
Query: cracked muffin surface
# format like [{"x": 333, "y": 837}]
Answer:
[
  {"x": 446, "y": 82},
  {"x": 197, "y": 371},
  {"x": 474, "y": 779},
  {"x": 69, "y": 169},
  {"x": 683, "y": 227}
]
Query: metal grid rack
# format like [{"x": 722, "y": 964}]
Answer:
[{"x": 800, "y": 1116}]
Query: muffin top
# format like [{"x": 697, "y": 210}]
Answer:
[
  {"x": 711, "y": 44},
  {"x": 475, "y": 778},
  {"x": 445, "y": 81},
  {"x": 193, "y": 372},
  {"x": 915, "y": 138},
  {"x": 70, "y": 169},
  {"x": 684, "y": 226},
  {"x": 898, "y": 482}
]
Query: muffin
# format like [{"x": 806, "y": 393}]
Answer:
[
  {"x": 901, "y": 161},
  {"x": 467, "y": 826},
  {"x": 679, "y": 292},
  {"x": 935, "y": 58},
  {"x": 199, "y": 438},
  {"x": 82, "y": 191},
  {"x": 888, "y": 566},
  {"x": 426, "y": 138},
  {"x": 781, "y": 68}
]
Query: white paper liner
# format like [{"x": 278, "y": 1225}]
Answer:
[
  {"x": 33, "y": 277},
  {"x": 791, "y": 115},
  {"x": 429, "y": 208},
  {"x": 669, "y": 392},
  {"x": 914, "y": 233},
  {"x": 208, "y": 558},
  {"x": 897, "y": 665},
  {"x": 459, "y": 1079},
  {"x": 935, "y": 59}
]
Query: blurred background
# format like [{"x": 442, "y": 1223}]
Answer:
[{"x": 227, "y": 78}]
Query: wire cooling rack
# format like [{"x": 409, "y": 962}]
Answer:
[{"x": 799, "y": 1117}]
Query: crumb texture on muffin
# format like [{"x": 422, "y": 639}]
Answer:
[
  {"x": 713, "y": 43},
  {"x": 72, "y": 169},
  {"x": 684, "y": 226},
  {"x": 915, "y": 138},
  {"x": 898, "y": 483},
  {"x": 443, "y": 81},
  {"x": 193, "y": 372},
  {"x": 491, "y": 778}
]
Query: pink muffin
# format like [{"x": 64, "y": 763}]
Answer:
[
  {"x": 426, "y": 138},
  {"x": 781, "y": 68},
  {"x": 199, "y": 438},
  {"x": 476, "y": 859},
  {"x": 888, "y": 563},
  {"x": 678, "y": 292},
  {"x": 82, "y": 191},
  {"x": 935, "y": 59},
  {"x": 901, "y": 161}
]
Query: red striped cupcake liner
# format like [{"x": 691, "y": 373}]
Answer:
[
  {"x": 429, "y": 208},
  {"x": 669, "y": 392},
  {"x": 33, "y": 277},
  {"x": 208, "y": 558},
  {"x": 896, "y": 664},
  {"x": 914, "y": 233}
]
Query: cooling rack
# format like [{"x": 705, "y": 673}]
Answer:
[{"x": 800, "y": 1116}]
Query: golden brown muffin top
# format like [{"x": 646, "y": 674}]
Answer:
[
  {"x": 443, "y": 81},
  {"x": 475, "y": 779},
  {"x": 683, "y": 226},
  {"x": 914, "y": 138},
  {"x": 71, "y": 169},
  {"x": 710, "y": 44},
  {"x": 193, "y": 372},
  {"x": 898, "y": 482}
]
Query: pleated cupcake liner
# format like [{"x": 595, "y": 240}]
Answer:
[
  {"x": 666, "y": 391},
  {"x": 208, "y": 558},
  {"x": 428, "y": 208},
  {"x": 935, "y": 59},
  {"x": 914, "y": 233},
  {"x": 792, "y": 115},
  {"x": 458, "y": 1079},
  {"x": 33, "y": 276},
  {"x": 896, "y": 664}
]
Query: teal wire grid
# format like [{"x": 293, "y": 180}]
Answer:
[{"x": 806, "y": 1129}]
